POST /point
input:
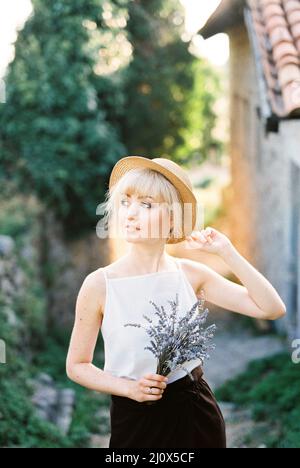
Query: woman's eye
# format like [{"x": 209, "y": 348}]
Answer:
[{"x": 143, "y": 203}]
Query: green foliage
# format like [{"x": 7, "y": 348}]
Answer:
[
  {"x": 55, "y": 138},
  {"x": 271, "y": 388},
  {"x": 168, "y": 98},
  {"x": 206, "y": 182},
  {"x": 13, "y": 219},
  {"x": 197, "y": 134},
  {"x": 51, "y": 358},
  {"x": 32, "y": 348},
  {"x": 18, "y": 219},
  {"x": 19, "y": 424}
]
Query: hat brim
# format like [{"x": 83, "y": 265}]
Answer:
[{"x": 134, "y": 162}]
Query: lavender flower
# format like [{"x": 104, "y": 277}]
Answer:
[{"x": 176, "y": 340}]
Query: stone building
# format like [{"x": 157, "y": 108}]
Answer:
[{"x": 265, "y": 139}]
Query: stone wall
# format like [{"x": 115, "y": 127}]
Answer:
[
  {"x": 62, "y": 264},
  {"x": 264, "y": 199},
  {"x": 243, "y": 143},
  {"x": 12, "y": 281},
  {"x": 66, "y": 264},
  {"x": 52, "y": 404}
]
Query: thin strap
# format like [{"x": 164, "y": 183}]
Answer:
[
  {"x": 106, "y": 291},
  {"x": 105, "y": 274},
  {"x": 178, "y": 262}
]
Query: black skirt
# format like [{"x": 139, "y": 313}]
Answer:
[{"x": 187, "y": 416}]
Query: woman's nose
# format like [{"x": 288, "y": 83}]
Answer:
[{"x": 132, "y": 210}]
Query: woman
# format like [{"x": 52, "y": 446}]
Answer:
[{"x": 151, "y": 202}]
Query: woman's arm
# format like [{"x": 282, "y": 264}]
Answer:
[
  {"x": 256, "y": 298},
  {"x": 258, "y": 287},
  {"x": 88, "y": 319}
]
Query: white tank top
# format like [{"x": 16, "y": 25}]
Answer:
[{"x": 127, "y": 300}]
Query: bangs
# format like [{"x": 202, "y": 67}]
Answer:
[{"x": 145, "y": 183}]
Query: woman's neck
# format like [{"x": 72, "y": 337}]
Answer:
[{"x": 146, "y": 260}]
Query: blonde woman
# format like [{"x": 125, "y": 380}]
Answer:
[{"x": 151, "y": 203}]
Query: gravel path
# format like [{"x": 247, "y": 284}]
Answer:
[
  {"x": 234, "y": 350},
  {"x": 236, "y": 346}
]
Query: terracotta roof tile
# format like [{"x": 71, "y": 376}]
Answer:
[
  {"x": 274, "y": 22},
  {"x": 277, "y": 27},
  {"x": 295, "y": 29},
  {"x": 284, "y": 50},
  {"x": 291, "y": 5}
]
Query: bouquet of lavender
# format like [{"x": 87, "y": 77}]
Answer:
[{"x": 176, "y": 340}]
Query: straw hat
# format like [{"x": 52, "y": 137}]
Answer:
[{"x": 175, "y": 174}]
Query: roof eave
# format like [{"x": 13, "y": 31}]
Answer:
[
  {"x": 266, "y": 109},
  {"x": 228, "y": 14}
]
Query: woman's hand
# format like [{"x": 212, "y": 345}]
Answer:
[
  {"x": 208, "y": 240},
  {"x": 139, "y": 389}
]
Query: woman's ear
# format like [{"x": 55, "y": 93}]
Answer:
[
  {"x": 171, "y": 223},
  {"x": 172, "y": 217}
]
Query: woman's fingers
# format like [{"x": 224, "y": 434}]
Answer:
[
  {"x": 156, "y": 377},
  {"x": 204, "y": 236},
  {"x": 201, "y": 236},
  {"x": 154, "y": 383},
  {"x": 154, "y": 391},
  {"x": 154, "y": 397}
]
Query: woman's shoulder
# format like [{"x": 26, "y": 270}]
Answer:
[
  {"x": 192, "y": 265},
  {"x": 96, "y": 282},
  {"x": 95, "y": 285},
  {"x": 101, "y": 272}
]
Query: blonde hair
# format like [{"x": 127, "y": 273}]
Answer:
[{"x": 143, "y": 182}]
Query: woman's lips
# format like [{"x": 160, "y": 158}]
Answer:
[{"x": 132, "y": 228}]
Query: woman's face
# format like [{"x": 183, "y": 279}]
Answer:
[{"x": 143, "y": 218}]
